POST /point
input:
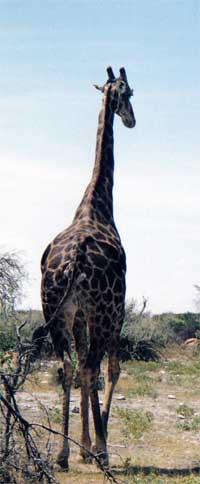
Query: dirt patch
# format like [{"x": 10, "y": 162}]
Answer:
[{"x": 159, "y": 389}]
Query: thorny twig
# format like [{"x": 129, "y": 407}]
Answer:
[
  {"x": 33, "y": 452},
  {"x": 14, "y": 421},
  {"x": 41, "y": 465},
  {"x": 144, "y": 304},
  {"x": 108, "y": 474},
  {"x": 12, "y": 417}
]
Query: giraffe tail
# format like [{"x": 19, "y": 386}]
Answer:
[
  {"x": 40, "y": 334},
  {"x": 38, "y": 338}
]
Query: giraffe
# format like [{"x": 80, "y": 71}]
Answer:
[{"x": 83, "y": 282}]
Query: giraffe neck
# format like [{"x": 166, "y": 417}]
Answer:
[
  {"x": 98, "y": 198},
  {"x": 102, "y": 176}
]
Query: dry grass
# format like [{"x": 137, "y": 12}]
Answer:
[{"x": 149, "y": 455}]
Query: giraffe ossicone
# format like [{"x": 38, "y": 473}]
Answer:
[{"x": 83, "y": 281}]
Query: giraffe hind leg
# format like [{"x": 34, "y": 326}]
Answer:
[
  {"x": 81, "y": 345},
  {"x": 66, "y": 379},
  {"x": 61, "y": 336}
]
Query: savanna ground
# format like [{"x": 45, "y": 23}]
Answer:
[{"x": 154, "y": 427}]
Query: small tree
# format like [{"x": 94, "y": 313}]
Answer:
[
  {"x": 12, "y": 275},
  {"x": 197, "y": 299}
]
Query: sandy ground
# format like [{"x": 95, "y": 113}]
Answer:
[{"x": 160, "y": 389}]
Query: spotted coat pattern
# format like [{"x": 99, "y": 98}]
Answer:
[{"x": 83, "y": 274}]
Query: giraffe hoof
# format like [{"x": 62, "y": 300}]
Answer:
[
  {"x": 62, "y": 460},
  {"x": 86, "y": 456},
  {"x": 103, "y": 458},
  {"x": 101, "y": 455}
]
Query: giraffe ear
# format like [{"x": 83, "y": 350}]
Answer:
[
  {"x": 123, "y": 75},
  {"x": 111, "y": 76},
  {"x": 98, "y": 87}
]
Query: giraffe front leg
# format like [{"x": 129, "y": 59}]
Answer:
[
  {"x": 63, "y": 455},
  {"x": 113, "y": 373}
]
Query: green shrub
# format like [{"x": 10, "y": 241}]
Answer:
[
  {"x": 139, "y": 349},
  {"x": 185, "y": 410},
  {"x": 7, "y": 340},
  {"x": 141, "y": 338},
  {"x": 135, "y": 422},
  {"x": 177, "y": 328},
  {"x": 144, "y": 335},
  {"x": 8, "y": 337}
]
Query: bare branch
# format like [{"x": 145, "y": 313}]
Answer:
[{"x": 31, "y": 448}]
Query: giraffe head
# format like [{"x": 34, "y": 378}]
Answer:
[{"x": 120, "y": 94}]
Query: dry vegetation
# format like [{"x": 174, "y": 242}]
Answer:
[
  {"x": 154, "y": 430},
  {"x": 154, "y": 427}
]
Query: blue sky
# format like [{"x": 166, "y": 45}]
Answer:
[{"x": 51, "y": 53}]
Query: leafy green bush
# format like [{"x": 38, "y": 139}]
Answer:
[
  {"x": 139, "y": 349},
  {"x": 8, "y": 337},
  {"x": 141, "y": 338},
  {"x": 177, "y": 328},
  {"x": 144, "y": 335},
  {"x": 7, "y": 340},
  {"x": 135, "y": 422}
]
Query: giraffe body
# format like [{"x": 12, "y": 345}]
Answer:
[
  {"x": 83, "y": 281},
  {"x": 93, "y": 259}
]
